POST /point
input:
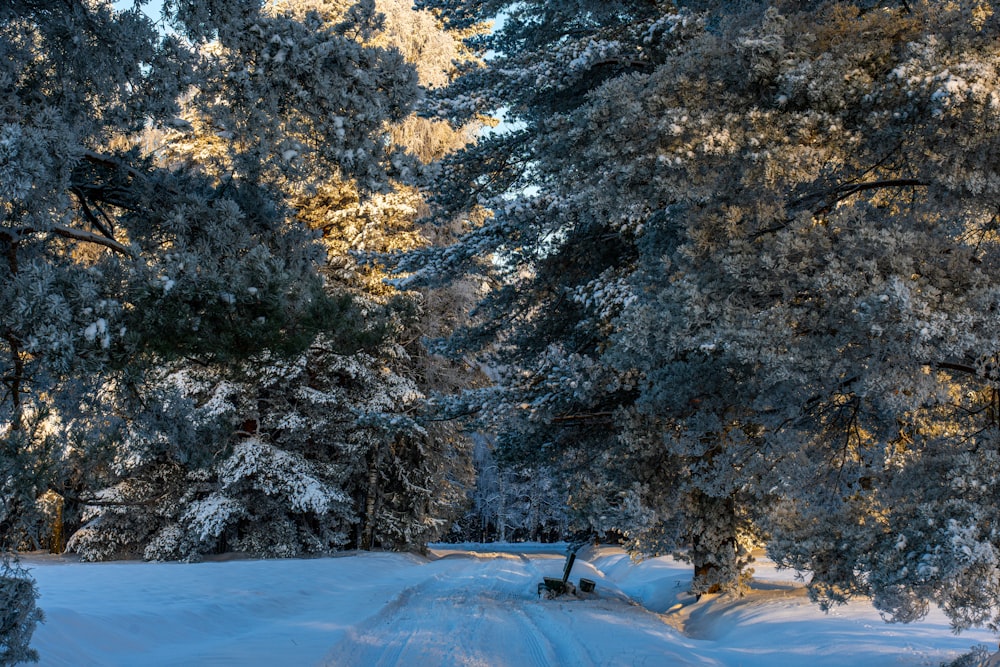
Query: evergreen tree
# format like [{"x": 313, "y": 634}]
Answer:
[
  {"x": 511, "y": 503},
  {"x": 327, "y": 451},
  {"x": 563, "y": 233},
  {"x": 18, "y": 614},
  {"x": 748, "y": 265},
  {"x": 115, "y": 264}
]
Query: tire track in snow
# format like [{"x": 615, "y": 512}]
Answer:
[
  {"x": 470, "y": 613},
  {"x": 482, "y": 610},
  {"x": 371, "y": 643},
  {"x": 564, "y": 643},
  {"x": 542, "y": 654}
]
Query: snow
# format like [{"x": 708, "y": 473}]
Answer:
[{"x": 462, "y": 605}]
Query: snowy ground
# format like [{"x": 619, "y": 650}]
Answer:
[{"x": 471, "y": 605}]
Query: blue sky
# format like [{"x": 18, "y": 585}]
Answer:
[{"x": 152, "y": 7}]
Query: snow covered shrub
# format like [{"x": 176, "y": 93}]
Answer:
[
  {"x": 320, "y": 453},
  {"x": 125, "y": 517},
  {"x": 269, "y": 502},
  {"x": 18, "y": 614}
]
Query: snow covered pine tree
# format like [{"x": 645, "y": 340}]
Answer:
[
  {"x": 329, "y": 452},
  {"x": 115, "y": 264},
  {"x": 562, "y": 239},
  {"x": 749, "y": 272}
]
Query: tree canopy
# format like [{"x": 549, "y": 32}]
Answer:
[
  {"x": 731, "y": 267},
  {"x": 747, "y": 268},
  {"x": 125, "y": 260},
  {"x": 324, "y": 449}
]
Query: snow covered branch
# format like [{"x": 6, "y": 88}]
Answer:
[{"x": 16, "y": 233}]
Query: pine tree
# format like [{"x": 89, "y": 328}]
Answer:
[
  {"x": 564, "y": 234},
  {"x": 328, "y": 450},
  {"x": 18, "y": 614},
  {"x": 116, "y": 264},
  {"x": 831, "y": 292},
  {"x": 746, "y": 254}
]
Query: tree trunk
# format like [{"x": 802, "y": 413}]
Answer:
[
  {"x": 56, "y": 539},
  {"x": 368, "y": 533},
  {"x": 713, "y": 543}
]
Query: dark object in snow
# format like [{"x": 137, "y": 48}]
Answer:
[{"x": 553, "y": 587}]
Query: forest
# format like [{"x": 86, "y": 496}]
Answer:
[{"x": 694, "y": 277}]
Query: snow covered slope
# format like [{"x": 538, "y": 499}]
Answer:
[{"x": 472, "y": 605}]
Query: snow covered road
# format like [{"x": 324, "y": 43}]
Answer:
[
  {"x": 484, "y": 610},
  {"x": 467, "y": 606}
]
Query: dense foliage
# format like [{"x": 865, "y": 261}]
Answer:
[
  {"x": 732, "y": 269},
  {"x": 324, "y": 450},
  {"x": 183, "y": 324},
  {"x": 747, "y": 266}
]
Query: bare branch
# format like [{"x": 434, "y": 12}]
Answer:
[
  {"x": 89, "y": 214},
  {"x": 821, "y": 202},
  {"x": 831, "y": 197},
  {"x": 591, "y": 417},
  {"x": 953, "y": 366},
  {"x": 108, "y": 161}
]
